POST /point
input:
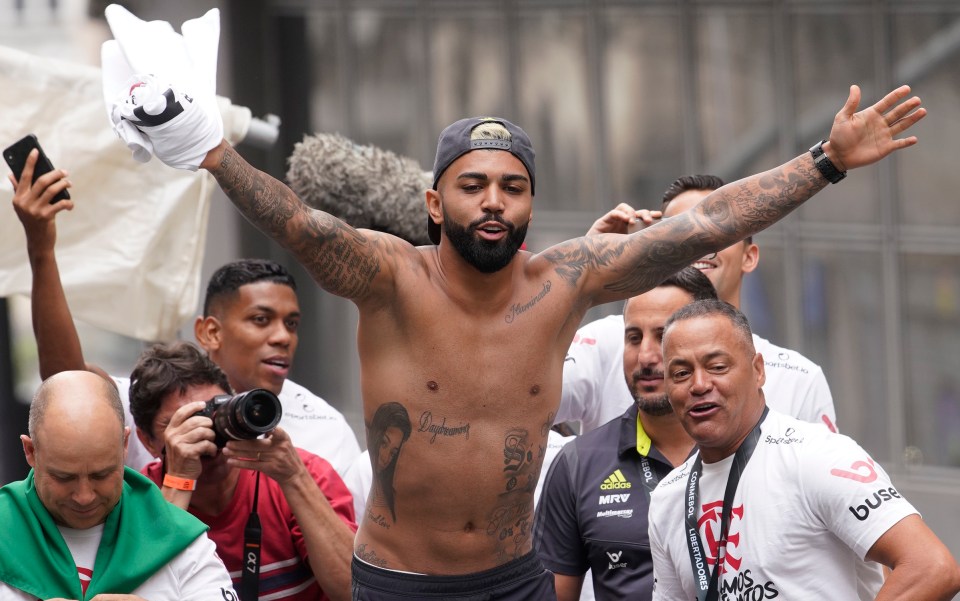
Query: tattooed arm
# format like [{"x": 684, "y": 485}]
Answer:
[
  {"x": 345, "y": 261},
  {"x": 612, "y": 267}
]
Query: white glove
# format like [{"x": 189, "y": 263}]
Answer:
[
  {"x": 160, "y": 87},
  {"x": 154, "y": 116}
]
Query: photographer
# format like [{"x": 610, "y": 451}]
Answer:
[
  {"x": 251, "y": 314},
  {"x": 305, "y": 511}
]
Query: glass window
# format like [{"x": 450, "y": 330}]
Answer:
[
  {"x": 831, "y": 52},
  {"x": 555, "y": 108},
  {"x": 931, "y": 294},
  {"x": 735, "y": 79},
  {"x": 642, "y": 77},
  {"x": 927, "y": 178},
  {"x": 762, "y": 294},
  {"x": 842, "y": 304}
]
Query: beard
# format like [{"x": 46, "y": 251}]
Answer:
[
  {"x": 484, "y": 255},
  {"x": 654, "y": 405}
]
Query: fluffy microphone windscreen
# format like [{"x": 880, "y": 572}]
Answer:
[{"x": 366, "y": 186}]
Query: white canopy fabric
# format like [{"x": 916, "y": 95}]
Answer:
[{"x": 131, "y": 250}]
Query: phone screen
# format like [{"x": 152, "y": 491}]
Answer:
[{"x": 16, "y": 157}]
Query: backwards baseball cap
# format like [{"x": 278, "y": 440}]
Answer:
[{"x": 455, "y": 142}]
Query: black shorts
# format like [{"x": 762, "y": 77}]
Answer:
[{"x": 523, "y": 579}]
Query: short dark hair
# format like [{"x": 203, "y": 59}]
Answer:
[
  {"x": 166, "y": 368},
  {"x": 689, "y": 279},
  {"x": 706, "y": 308},
  {"x": 229, "y": 278},
  {"x": 692, "y": 281},
  {"x": 685, "y": 183}
]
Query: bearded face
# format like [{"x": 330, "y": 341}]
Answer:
[
  {"x": 654, "y": 404},
  {"x": 487, "y": 256}
]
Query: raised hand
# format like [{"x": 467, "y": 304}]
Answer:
[
  {"x": 188, "y": 438},
  {"x": 865, "y": 137},
  {"x": 274, "y": 455},
  {"x": 31, "y": 202},
  {"x": 624, "y": 219}
]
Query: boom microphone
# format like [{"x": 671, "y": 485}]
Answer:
[{"x": 366, "y": 186}]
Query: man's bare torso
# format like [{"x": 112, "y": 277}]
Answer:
[{"x": 476, "y": 385}]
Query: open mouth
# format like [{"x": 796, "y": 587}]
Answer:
[
  {"x": 492, "y": 230},
  {"x": 702, "y": 410}
]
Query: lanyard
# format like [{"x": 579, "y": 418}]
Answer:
[
  {"x": 707, "y": 584},
  {"x": 650, "y": 477},
  {"x": 250, "y": 580}
]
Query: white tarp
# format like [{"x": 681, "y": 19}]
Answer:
[{"x": 130, "y": 252}]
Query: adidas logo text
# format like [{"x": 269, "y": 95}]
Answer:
[{"x": 615, "y": 481}]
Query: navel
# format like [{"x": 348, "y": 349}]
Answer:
[{"x": 469, "y": 527}]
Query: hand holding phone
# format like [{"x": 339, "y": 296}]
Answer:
[{"x": 16, "y": 156}]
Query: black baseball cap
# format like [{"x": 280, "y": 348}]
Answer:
[{"x": 455, "y": 142}]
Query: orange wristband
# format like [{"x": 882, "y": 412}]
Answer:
[{"x": 179, "y": 483}]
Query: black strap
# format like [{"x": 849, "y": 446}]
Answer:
[
  {"x": 707, "y": 584},
  {"x": 650, "y": 477},
  {"x": 250, "y": 581}
]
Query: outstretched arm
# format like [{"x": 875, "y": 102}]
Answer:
[
  {"x": 58, "y": 344},
  {"x": 351, "y": 263},
  {"x": 611, "y": 267}
]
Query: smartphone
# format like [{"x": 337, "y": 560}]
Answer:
[{"x": 16, "y": 157}]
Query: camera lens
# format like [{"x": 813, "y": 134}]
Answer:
[
  {"x": 260, "y": 412},
  {"x": 246, "y": 416}
]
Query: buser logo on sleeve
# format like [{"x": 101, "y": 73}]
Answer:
[{"x": 615, "y": 481}]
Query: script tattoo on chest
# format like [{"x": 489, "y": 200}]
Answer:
[
  {"x": 427, "y": 424},
  {"x": 516, "y": 309}
]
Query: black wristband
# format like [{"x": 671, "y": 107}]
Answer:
[{"x": 824, "y": 165}]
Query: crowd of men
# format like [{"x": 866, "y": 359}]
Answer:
[{"x": 704, "y": 468}]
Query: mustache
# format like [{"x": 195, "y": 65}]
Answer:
[
  {"x": 646, "y": 372},
  {"x": 487, "y": 218}
]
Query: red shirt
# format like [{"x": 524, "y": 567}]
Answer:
[{"x": 284, "y": 571}]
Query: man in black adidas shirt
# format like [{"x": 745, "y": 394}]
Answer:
[{"x": 593, "y": 510}]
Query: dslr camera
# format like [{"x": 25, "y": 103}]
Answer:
[{"x": 243, "y": 416}]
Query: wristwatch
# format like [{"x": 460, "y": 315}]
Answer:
[{"x": 824, "y": 165}]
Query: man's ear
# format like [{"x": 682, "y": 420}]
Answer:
[
  {"x": 751, "y": 258},
  {"x": 434, "y": 206},
  {"x": 208, "y": 332},
  {"x": 154, "y": 446},
  {"x": 760, "y": 368},
  {"x": 29, "y": 451}
]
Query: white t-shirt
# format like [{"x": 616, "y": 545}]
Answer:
[
  {"x": 313, "y": 425},
  {"x": 595, "y": 390},
  {"x": 196, "y": 574},
  {"x": 809, "y": 506},
  {"x": 359, "y": 476}
]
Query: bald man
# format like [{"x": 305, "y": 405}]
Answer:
[{"x": 81, "y": 526}]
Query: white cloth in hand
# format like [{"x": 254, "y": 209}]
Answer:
[
  {"x": 162, "y": 118},
  {"x": 150, "y": 73}
]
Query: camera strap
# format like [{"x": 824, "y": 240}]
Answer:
[{"x": 252, "y": 534}]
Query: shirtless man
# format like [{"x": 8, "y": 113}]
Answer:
[{"x": 470, "y": 335}]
